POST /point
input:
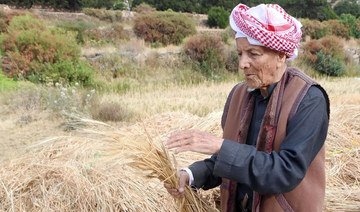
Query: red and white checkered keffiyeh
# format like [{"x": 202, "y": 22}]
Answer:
[{"x": 267, "y": 25}]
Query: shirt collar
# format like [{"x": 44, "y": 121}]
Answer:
[{"x": 257, "y": 91}]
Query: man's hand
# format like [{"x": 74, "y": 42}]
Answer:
[
  {"x": 183, "y": 180},
  {"x": 195, "y": 141}
]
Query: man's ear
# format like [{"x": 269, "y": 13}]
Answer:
[{"x": 281, "y": 58}]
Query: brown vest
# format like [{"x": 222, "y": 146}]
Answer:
[{"x": 309, "y": 194}]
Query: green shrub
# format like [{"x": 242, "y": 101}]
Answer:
[
  {"x": 337, "y": 28},
  {"x": 119, "y": 5},
  {"x": 333, "y": 46},
  {"x": 330, "y": 45},
  {"x": 314, "y": 28},
  {"x": 328, "y": 65},
  {"x": 208, "y": 51},
  {"x": 326, "y": 55},
  {"x": 79, "y": 27},
  {"x": 3, "y": 21},
  {"x": 144, "y": 8},
  {"x": 232, "y": 61},
  {"x": 226, "y": 34},
  {"x": 164, "y": 27},
  {"x": 218, "y": 17},
  {"x": 6, "y": 83},
  {"x": 104, "y": 15},
  {"x": 41, "y": 54},
  {"x": 353, "y": 23},
  {"x": 347, "y": 7}
]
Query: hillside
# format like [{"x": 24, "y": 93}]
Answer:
[{"x": 68, "y": 147}]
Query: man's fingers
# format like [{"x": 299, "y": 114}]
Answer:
[
  {"x": 167, "y": 186},
  {"x": 182, "y": 149},
  {"x": 184, "y": 141},
  {"x": 182, "y": 185},
  {"x": 184, "y": 180}
]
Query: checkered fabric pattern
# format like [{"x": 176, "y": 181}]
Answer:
[{"x": 269, "y": 25}]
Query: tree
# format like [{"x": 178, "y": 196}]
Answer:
[
  {"x": 353, "y": 23},
  {"x": 218, "y": 16},
  {"x": 312, "y": 9},
  {"x": 347, "y": 7}
]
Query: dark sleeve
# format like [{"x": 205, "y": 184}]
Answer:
[
  {"x": 203, "y": 173},
  {"x": 279, "y": 172},
  {"x": 203, "y": 170}
]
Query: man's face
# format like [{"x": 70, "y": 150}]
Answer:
[{"x": 261, "y": 65}]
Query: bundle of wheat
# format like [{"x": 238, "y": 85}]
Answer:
[
  {"x": 76, "y": 174},
  {"x": 157, "y": 162}
]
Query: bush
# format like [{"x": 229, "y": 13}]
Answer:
[
  {"x": 347, "y": 7},
  {"x": 3, "y": 21},
  {"x": 164, "y": 27},
  {"x": 218, "y": 17},
  {"x": 78, "y": 27},
  {"x": 226, "y": 34},
  {"x": 353, "y": 23},
  {"x": 6, "y": 83},
  {"x": 328, "y": 65},
  {"x": 110, "y": 112},
  {"x": 110, "y": 34},
  {"x": 326, "y": 55},
  {"x": 314, "y": 28},
  {"x": 41, "y": 54},
  {"x": 208, "y": 51},
  {"x": 120, "y": 5},
  {"x": 334, "y": 46},
  {"x": 330, "y": 45},
  {"x": 104, "y": 15},
  {"x": 144, "y": 8},
  {"x": 337, "y": 28},
  {"x": 232, "y": 61}
]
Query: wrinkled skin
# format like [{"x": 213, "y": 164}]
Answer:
[{"x": 262, "y": 67}]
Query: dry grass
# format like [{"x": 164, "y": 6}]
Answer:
[
  {"x": 197, "y": 99},
  {"x": 93, "y": 169},
  {"x": 343, "y": 145}
]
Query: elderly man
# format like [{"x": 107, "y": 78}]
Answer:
[{"x": 271, "y": 156}]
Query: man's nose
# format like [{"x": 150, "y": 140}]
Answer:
[{"x": 244, "y": 61}]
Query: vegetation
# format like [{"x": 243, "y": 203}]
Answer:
[
  {"x": 67, "y": 4},
  {"x": 163, "y": 27},
  {"x": 328, "y": 65},
  {"x": 326, "y": 55},
  {"x": 353, "y": 23},
  {"x": 347, "y": 26},
  {"x": 347, "y": 7},
  {"x": 208, "y": 52},
  {"x": 104, "y": 15},
  {"x": 42, "y": 54},
  {"x": 313, "y": 9},
  {"x": 218, "y": 17},
  {"x": 162, "y": 89},
  {"x": 6, "y": 83}
]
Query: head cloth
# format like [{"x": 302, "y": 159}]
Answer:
[{"x": 267, "y": 25}]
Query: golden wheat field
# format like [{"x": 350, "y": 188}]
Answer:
[{"x": 121, "y": 167}]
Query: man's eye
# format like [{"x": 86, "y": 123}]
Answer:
[{"x": 255, "y": 53}]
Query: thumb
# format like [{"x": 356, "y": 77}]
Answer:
[{"x": 184, "y": 178}]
